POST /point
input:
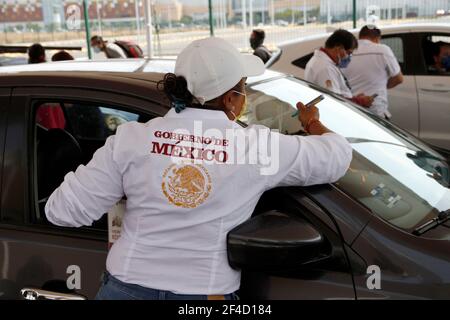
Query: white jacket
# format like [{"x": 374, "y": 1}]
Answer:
[
  {"x": 178, "y": 213},
  {"x": 322, "y": 70},
  {"x": 369, "y": 72}
]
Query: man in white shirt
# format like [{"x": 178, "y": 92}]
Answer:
[
  {"x": 324, "y": 68},
  {"x": 184, "y": 189},
  {"x": 111, "y": 50},
  {"x": 374, "y": 70}
]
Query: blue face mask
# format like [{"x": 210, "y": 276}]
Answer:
[
  {"x": 446, "y": 62},
  {"x": 345, "y": 62}
]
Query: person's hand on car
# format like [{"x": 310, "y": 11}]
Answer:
[{"x": 365, "y": 101}]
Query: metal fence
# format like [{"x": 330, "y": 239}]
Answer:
[{"x": 175, "y": 23}]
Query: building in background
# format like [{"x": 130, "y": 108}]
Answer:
[
  {"x": 254, "y": 12},
  {"x": 335, "y": 11}
]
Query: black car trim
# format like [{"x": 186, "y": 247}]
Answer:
[
  {"x": 339, "y": 234},
  {"x": 3, "y": 126}
]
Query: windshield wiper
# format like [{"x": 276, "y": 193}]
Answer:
[{"x": 442, "y": 217}]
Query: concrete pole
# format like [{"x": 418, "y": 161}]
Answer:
[
  {"x": 244, "y": 13},
  {"x": 272, "y": 13},
  {"x": 138, "y": 20},
  {"x": 99, "y": 19},
  {"x": 250, "y": 13},
  {"x": 305, "y": 13},
  {"x": 148, "y": 27},
  {"x": 328, "y": 12}
]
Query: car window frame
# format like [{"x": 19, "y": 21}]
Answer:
[
  {"x": 5, "y": 101},
  {"x": 407, "y": 68},
  {"x": 22, "y": 103}
]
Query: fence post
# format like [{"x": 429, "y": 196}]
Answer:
[
  {"x": 354, "y": 14},
  {"x": 88, "y": 30},
  {"x": 211, "y": 22}
]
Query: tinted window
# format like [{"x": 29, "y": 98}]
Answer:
[
  {"x": 401, "y": 180},
  {"x": 303, "y": 61},
  {"x": 396, "y": 45},
  {"x": 66, "y": 135}
]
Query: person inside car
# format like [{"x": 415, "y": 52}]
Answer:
[
  {"x": 441, "y": 58},
  {"x": 36, "y": 54},
  {"x": 324, "y": 68},
  {"x": 62, "y": 56},
  {"x": 189, "y": 180}
]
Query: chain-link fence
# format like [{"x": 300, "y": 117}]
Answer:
[{"x": 175, "y": 23}]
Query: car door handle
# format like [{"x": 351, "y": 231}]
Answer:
[
  {"x": 443, "y": 90},
  {"x": 36, "y": 294}
]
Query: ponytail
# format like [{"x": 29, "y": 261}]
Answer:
[{"x": 175, "y": 87}]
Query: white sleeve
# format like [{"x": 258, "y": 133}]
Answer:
[
  {"x": 334, "y": 81},
  {"x": 87, "y": 194},
  {"x": 311, "y": 160},
  {"x": 392, "y": 65}
]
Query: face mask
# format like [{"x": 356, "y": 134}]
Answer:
[
  {"x": 97, "y": 50},
  {"x": 243, "y": 109},
  {"x": 343, "y": 63},
  {"x": 445, "y": 61}
]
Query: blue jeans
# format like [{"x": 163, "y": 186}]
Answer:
[{"x": 114, "y": 289}]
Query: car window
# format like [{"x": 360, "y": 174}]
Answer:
[
  {"x": 396, "y": 45},
  {"x": 66, "y": 135},
  {"x": 401, "y": 180},
  {"x": 303, "y": 61},
  {"x": 436, "y": 54}
]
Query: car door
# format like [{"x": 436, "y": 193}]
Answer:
[
  {"x": 329, "y": 279},
  {"x": 433, "y": 93},
  {"x": 34, "y": 252},
  {"x": 403, "y": 102}
]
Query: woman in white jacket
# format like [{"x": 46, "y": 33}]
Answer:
[{"x": 188, "y": 179}]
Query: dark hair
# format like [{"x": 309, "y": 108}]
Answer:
[
  {"x": 97, "y": 39},
  {"x": 35, "y": 53},
  {"x": 62, "y": 56},
  {"x": 343, "y": 38},
  {"x": 370, "y": 31},
  {"x": 432, "y": 50},
  {"x": 259, "y": 34},
  {"x": 175, "y": 88}
]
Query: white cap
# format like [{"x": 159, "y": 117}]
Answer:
[{"x": 213, "y": 66}]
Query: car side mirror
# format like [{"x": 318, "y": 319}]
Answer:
[{"x": 275, "y": 241}]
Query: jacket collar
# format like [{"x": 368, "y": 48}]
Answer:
[
  {"x": 197, "y": 113},
  {"x": 325, "y": 54}
]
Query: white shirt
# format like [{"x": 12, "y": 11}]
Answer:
[
  {"x": 113, "y": 51},
  {"x": 322, "y": 70},
  {"x": 178, "y": 215},
  {"x": 371, "y": 67}
]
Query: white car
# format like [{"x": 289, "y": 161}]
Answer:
[{"x": 421, "y": 104}]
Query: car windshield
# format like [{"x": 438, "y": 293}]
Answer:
[{"x": 395, "y": 175}]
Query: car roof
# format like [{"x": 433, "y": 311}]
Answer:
[
  {"x": 385, "y": 30},
  {"x": 146, "y": 70}
]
